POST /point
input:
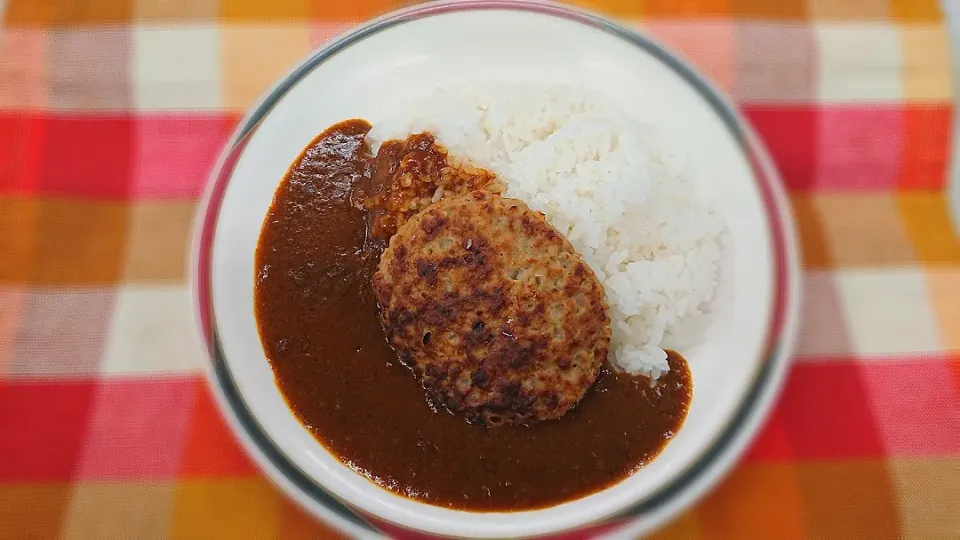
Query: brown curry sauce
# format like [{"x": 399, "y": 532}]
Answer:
[{"x": 321, "y": 332}]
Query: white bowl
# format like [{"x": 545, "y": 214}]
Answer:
[{"x": 738, "y": 362}]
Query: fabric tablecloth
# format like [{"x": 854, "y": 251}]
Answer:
[{"x": 113, "y": 111}]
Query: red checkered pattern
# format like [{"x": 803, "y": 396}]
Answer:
[{"x": 113, "y": 111}]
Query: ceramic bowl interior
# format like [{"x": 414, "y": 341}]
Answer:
[{"x": 737, "y": 359}]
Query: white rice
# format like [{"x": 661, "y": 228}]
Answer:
[{"x": 628, "y": 206}]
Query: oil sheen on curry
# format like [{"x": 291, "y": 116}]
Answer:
[{"x": 443, "y": 340}]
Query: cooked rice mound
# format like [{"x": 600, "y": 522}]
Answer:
[{"x": 607, "y": 181}]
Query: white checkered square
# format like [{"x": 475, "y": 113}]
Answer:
[
  {"x": 177, "y": 68},
  {"x": 152, "y": 330},
  {"x": 887, "y": 312},
  {"x": 859, "y": 62}
]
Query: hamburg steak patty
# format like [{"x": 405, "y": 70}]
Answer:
[{"x": 493, "y": 310}]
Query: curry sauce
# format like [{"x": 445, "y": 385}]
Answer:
[{"x": 320, "y": 329}]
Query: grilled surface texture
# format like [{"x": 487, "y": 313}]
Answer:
[{"x": 493, "y": 310}]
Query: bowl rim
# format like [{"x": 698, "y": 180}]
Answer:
[{"x": 642, "y": 515}]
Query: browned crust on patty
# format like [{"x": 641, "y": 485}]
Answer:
[{"x": 493, "y": 310}]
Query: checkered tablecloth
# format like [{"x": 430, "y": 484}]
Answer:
[{"x": 112, "y": 113}]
